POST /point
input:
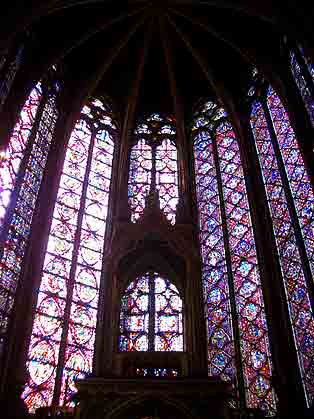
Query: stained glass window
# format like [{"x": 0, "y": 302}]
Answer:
[
  {"x": 62, "y": 340},
  {"x": 151, "y": 316},
  {"x": 291, "y": 203},
  {"x": 303, "y": 73},
  {"x": 234, "y": 306},
  {"x": 8, "y": 69},
  {"x": 139, "y": 177},
  {"x": 21, "y": 173},
  {"x": 153, "y": 166},
  {"x": 13, "y": 156}
]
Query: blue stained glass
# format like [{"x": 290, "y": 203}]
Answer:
[
  {"x": 228, "y": 178},
  {"x": 144, "y": 328},
  {"x": 301, "y": 317},
  {"x": 300, "y": 185}
]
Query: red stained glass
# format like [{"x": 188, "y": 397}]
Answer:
[
  {"x": 20, "y": 178},
  {"x": 68, "y": 296}
]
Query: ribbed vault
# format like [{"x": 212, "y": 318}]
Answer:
[{"x": 210, "y": 44}]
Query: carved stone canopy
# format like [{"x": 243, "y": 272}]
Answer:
[{"x": 143, "y": 397}]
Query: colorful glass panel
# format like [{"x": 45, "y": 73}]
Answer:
[
  {"x": 167, "y": 178},
  {"x": 139, "y": 177},
  {"x": 305, "y": 92},
  {"x": 151, "y": 317},
  {"x": 67, "y": 304},
  {"x": 300, "y": 185},
  {"x": 254, "y": 341},
  {"x": 19, "y": 197},
  {"x": 294, "y": 281},
  {"x": 214, "y": 269},
  {"x": 12, "y": 157},
  {"x": 233, "y": 233},
  {"x": 154, "y": 166}
]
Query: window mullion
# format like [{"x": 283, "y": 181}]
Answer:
[
  {"x": 151, "y": 313},
  {"x": 234, "y": 314},
  {"x": 290, "y": 202},
  {"x": 153, "y": 171},
  {"x": 71, "y": 282}
]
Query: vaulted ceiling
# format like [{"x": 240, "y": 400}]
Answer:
[{"x": 187, "y": 49}]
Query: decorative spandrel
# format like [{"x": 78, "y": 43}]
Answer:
[
  {"x": 63, "y": 336},
  {"x": 238, "y": 342},
  {"x": 154, "y": 166},
  {"x": 151, "y": 317}
]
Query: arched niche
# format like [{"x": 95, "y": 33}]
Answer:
[
  {"x": 156, "y": 256},
  {"x": 135, "y": 248},
  {"x": 153, "y": 259}
]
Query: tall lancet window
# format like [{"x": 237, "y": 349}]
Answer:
[
  {"x": 154, "y": 167},
  {"x": 238, "y": 342},
  {"x": 303, "y": 73},
  {"x": 21, "y": 172},
  {"x": 62, "y": 341},
  {"x": 291, "y": 204}
]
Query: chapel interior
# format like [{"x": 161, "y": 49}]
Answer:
[{"x": 156, "y": 209}]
